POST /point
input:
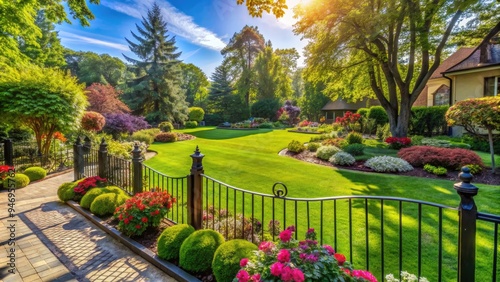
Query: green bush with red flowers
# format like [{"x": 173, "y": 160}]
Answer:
[
  {"x": 88, "y": 183},
  {"x": 290, "y": 260},
  {"x": 143, "y": 210}
]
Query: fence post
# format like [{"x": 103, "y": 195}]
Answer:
[
  {"x": 467, "y": 212},
  {"x": 102, "y": 158},
  {"x": 136, "y": 169},
  {"x": 195, "y": 191},
  {"x": 77, "y": 159},
  {"x": 8, "y": 152},
  {"x": 87, "y": 145}
]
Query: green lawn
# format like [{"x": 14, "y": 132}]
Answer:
[{"x": 250, "y": 160}]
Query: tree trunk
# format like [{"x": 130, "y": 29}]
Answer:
[{"x": 492, "y": 151}]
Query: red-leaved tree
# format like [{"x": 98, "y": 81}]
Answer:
[
  {"x": 104, "y": 99},
  {"x": 93, "y": 121}
]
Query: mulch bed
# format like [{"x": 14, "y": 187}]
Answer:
[{"x": 485, "y": 177}]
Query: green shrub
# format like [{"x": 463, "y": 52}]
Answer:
[
  {"x": 383, "y": 132},
  {"x": 170, "y": 241},
  {"x": 342, "y": 158},
  {"x": 166, "y": 137},
  {"x": 388, "y": 164},
  {"x": 166, "y": 126},
  {"x": 142, "y": 137},
  {"x": 107, "y": 203},
  {"x": 226, "y": 263},
  {"x": 197, "y": 251},
  {"x": 416, "y": 140},
  {"x": 354, "y": 138},
  {"x": 355, "y": 149},
  {"x": 65, "y": 191},
  {"x": 322, "y": 137},
  {"x": 21, "y": 180},
  {"x": 313, "y": 146},
  {"x": 35, "y": 173},
  {"x": 295, "y": 146},
  {"x": 196, "y": 114},
  {"x": 266, "y": 125},
  {"x": 363, "y": 112},
  {"x": 379, "y": 115},
  {"x": 326, "y": 152},
  {"x": 474, "y": 168},
  {"x": 428, "y": 120},
  {"x": 93, "y": 193},
  {"x": 191, "y": 124},
  {"x": 435, "y": 170},
  {"x": 266, "y": 108}
]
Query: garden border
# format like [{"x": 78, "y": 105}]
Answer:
[{"x": 165, "y": 266}]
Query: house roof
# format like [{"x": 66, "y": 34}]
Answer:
[
  {"x": 340, "y": 104},
  {"x": 485, "y": 55},
  {"x": 455, "y": 58}
]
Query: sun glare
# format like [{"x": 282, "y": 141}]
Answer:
[{"x": 287, "y": 20}]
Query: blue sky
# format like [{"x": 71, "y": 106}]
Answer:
[{"x": 202, "y": 28}]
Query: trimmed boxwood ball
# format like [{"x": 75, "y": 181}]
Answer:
[
  {"x": 226, "y": 263},
  {"x": 35, "y": 173},
  {"x": 22, "y": 180},
  {"x": 197, "y": 251},
  {"x": 171, "y": 239},
  {"x": 93, "y": 193},
  {"x": 106, "y": 204}
]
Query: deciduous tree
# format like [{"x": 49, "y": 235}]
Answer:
[
  {"x": 194, "y": 83},
  {"x": 270, "y": 78},
  {"x": 45, "y": 100},
  {"x": 156, "y": 94},
  {"x": 476, "y": 115},
  {"x": 104, "y": 69},
  {"x": 104, "y": 99}
]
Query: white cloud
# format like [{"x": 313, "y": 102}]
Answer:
[
  {"x": 71, "y": 37},
  {"x": 177, "y": 22}
]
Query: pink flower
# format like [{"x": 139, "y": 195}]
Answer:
[
  {"x": 340, "y": 258},
  {"x": 330, "y": 250},
  {"x": 243, "y": 262},
  {"x": 284, "y": 256},
  {"x": 276, "y": 269},
  {"x": 243, "y": 276},
  {"x": 364, "y": 274},
  {"x": 255, "y": 277},
  {"x": 287, "y": 274},
  {"x": 297, "y": 275},
  {"x": 266, "y": 247},
  {"x": 285, "y": 236}
]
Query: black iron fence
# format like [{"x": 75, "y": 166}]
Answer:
[
  {"x": 381, "y": 234},
  {"x": 22, "y": 155}
]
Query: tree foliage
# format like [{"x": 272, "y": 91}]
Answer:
[
  {"x": 313, "y": 100},
  {"x": 104, "y": 99},
  {"x": 257, "y": 7},
  {"x": 45, "y": 100},
  {"x": 93, "y": 121},
  {"x": 476, "y": 115},
  {"x": 119, "y": 123},
  {"x": 270, "y": 78},
  {"x": 194, "y": 83},
  {"x": 157, "y": 94},
  {"x": 95, "y": 68},
  {"x": 395, "y": 46},
  {"x": 241, "y": 53},
  {"x": 17, "y": 23}
]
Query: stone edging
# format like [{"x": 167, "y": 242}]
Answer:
[{"x": 167, "y": 267}]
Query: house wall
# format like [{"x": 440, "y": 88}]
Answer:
[
  {"x": 470, "y": 85},
  {"x": 432, "y": 86}
]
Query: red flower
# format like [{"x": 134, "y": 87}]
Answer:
[
  {"x": 284, "y": 256},
  {"x": 340, "y": 258},
  {"x": 144, "y": 219},
  {"x": 243, "y": 276},
  {"x": 126, "y": 221},
  {"x": 138, "y": 226},
  {"x": 276, "y": 269},
  {"x": 243, "y": 262},
  {"x": 285, "y": 235},
  {"x": 297, "y": 275}
]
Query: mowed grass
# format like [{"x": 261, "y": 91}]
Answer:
[{"x": 250, "y": 160}]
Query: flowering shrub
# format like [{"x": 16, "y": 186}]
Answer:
[
  {"x": 88, "y": 183},
  {"x": 304, "y": 123},
  {"x": 57, "y": 136},
  {"x": 388, "y": 164},
  {"x": 348, "y": 120},
  {"x": 5, "y": 171},
  {"x": 405, "y": 277},
  {"x": 450, "y": 158},
  {"x": 143, "y": 210},
  {"x": 326, "y": 152},
  {"x": 342, "y": 158},
  {"x": 398, "y": 142},
  {"x": 290, "y": 260}
]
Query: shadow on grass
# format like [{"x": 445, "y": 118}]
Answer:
[{"x": 220, "y": 134}]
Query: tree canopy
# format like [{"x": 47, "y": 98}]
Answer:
[
  {"x": 104, "y": 99},
  {"x": 395, "y": 46},
  {"x": 45, "y": 100},
  {"x": 156, "y": 94},
  {"x": 194, "y": 83}
]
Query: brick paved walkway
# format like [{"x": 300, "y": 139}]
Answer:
[{"x": 54, "y": 243}]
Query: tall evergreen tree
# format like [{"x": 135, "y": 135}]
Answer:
[
  {"x": 270, "y": 79},
  {"x": 46, "y": 50},
  {"x": 156, "y": 94}
]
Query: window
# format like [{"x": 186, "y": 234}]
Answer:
[
  {"x": 442, "y": 96},
  {"x": 491, "y": 86}
]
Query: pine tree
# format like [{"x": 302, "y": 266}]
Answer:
[{"x": 156, "y": 94}]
